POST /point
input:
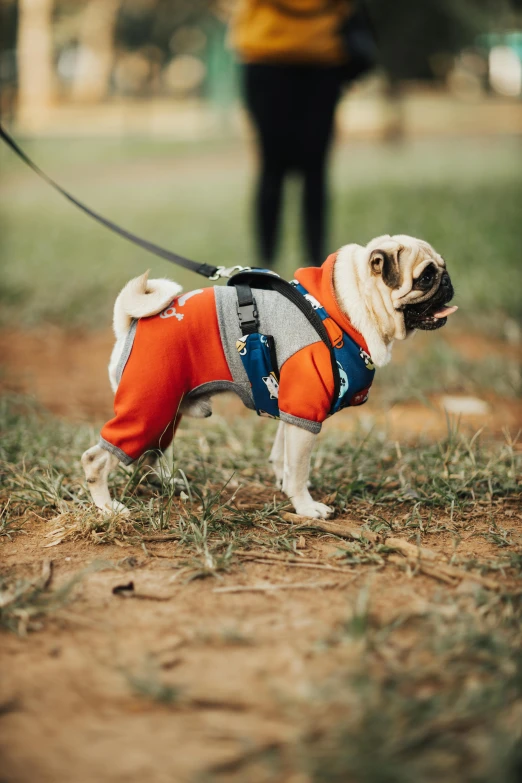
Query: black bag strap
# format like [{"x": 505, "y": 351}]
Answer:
[
  {"x": 273, "y": 355},
  {"x": 271, "y": 282}
]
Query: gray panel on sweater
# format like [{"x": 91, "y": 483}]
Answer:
[{"x": 277, "y": 316}]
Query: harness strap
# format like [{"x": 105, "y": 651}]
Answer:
[
  {"x": 246, "y": 309},
  {"x": 272, "y": 282},
  {"x": 200, "y": 269}
]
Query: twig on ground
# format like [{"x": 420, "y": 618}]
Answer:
[
  {"x": 426, "y": 560},
  {"x": 410, "y": 550},
  {"x": 446, "y": 573},
  {"x": 339, "y": 529},
  {"x": 293, "y": 561}
]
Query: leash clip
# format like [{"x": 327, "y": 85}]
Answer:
[{"x": 224, "y": 271}]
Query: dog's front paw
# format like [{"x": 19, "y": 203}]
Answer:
[
  {"x": 115, "y": 507},
  {"x": 312, "y": 508}
]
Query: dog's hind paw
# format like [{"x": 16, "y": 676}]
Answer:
[{"x": 312, "y": 508}]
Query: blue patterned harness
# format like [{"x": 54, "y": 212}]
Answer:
[{"x": 353, "y": 366}]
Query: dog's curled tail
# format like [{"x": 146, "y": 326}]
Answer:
[{"x": 140, "y": 298}]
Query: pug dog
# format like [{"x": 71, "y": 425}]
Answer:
[{"x": 174, "y": 352}]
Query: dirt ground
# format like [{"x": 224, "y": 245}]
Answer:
[
  {"x": 71, "y": 693},
  {"x": 181, "y": 680}
]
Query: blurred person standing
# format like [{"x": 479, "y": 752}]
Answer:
[{"x": 295, "y": 59}]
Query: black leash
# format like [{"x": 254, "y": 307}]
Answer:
[
  {"x": 242, "y": 276},
  {"x": 212, "y": 272}
]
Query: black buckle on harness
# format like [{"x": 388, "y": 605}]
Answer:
[
  {"x": 266, "y": 280},
  {"x": 247, "y": 318},
  {"x": 246, "y": 309}
]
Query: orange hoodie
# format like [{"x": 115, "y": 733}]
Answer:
[{"x": 189, "y": 350}]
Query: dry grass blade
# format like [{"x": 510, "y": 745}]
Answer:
[
  {"x": 297, "y": 564},
  {"x": 274, "y": 587},
  {"x": 208, "y": 703},
  {"x": 158, "y": 537},
  {"x": 429, "y": 570},
  {"x": 264, "y": 554},
  {"x": 47, "y": 574},
  {"x": 241, "y": 760},
  {"x": 321, "y": 567}
]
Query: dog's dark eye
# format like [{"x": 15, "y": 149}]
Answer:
[{"x": 427, "y": 279}]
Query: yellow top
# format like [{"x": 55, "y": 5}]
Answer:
[{"x": 297, "y": 31}]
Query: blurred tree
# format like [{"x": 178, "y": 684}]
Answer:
[
  {"x": 8, "y": 26},
  {"x": 95, "y": 56},
  {"x": 412, "y": 34},
  {"x": 35, "y": 58},
  {"x": 150, "y": 46}
]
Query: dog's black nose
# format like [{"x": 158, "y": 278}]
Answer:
[{"x": 446, "y": 288}]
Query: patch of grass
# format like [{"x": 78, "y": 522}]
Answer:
[
  {"x": 447, "y": 709},
  {"x": 24, "y": 603},
  {"x": 440, "y": 369},
  {"x": 453, "y": 473},
  {"x": 229, "y": 501},
  {"x": 148, "y": 684},
  {"x": 432, "y": 693},
  {"x": 9, "y": 526},
  {"x": 415, "y": 695}
]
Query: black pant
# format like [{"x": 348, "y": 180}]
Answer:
[{"x": 292, "y": 107}]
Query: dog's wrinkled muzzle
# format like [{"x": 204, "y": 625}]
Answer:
[{"x": 433, "y": 313}]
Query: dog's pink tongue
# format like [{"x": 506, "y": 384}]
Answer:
[{"x": 445, "y": 312}]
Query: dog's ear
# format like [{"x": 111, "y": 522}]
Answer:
[{"x": 386, "y": 264}]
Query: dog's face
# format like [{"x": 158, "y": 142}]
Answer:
[
  {"x": 412, "y": 281},
  {"x": 390, "y": 288}
]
